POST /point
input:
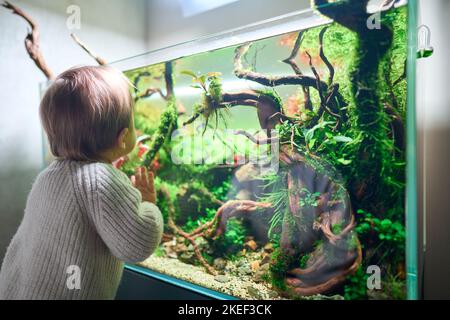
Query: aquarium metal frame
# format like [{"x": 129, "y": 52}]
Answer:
[{"x": 283, "y": 24}]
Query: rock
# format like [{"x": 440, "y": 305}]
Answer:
[
  {"x": 240, "y": 263},
  {"x": 260, "y": 276},
  {"x": 268, "y": 248},
  {"x": 180, "y": 240},
  {"x": 168, "y": 244},
  {"x": 251, "y": 245},
  {"x": 244, "y": 270},
  {"x": 187, "y": 257},
  {"x": 172, "y": 255},
  {"x": 265, "y": 259},
  {"x": 253, "y": 292},
  {"x": 242, "y": 253},
  {"x": 181, "y": 247},
  {"x": 264, "y": 267},
  {"x": 262, "y": 273},
  {"x": 272, "y": 294},
  {"x": 221, "y": 278},
  {"x": 219, "y": 263},
  {"x": 254, "y": 265}
]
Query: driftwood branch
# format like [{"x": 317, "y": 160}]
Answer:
[
  {"x": 150, "y": 92},
  {"x": 32, "y": 40},
  {"x": 270, "y": 81},
  {"x": 324, "y": 57},
  {"x": 291, "y": 59},
  {"x": 176, "y": 230},
  {"x": 255, "y": 139},
  {"x": 97, "y": 58},
  {"x": 168, "y": 78},
  {"x": 265, "y": 105}
]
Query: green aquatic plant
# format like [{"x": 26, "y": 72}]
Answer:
[
  {"x": 278, "y": 197},
  {"x": 211, "y": 105},
  {"x": 391, "y": 234},
  {"x": 232, "y": 240},
  {"x": 304, "y": 261},
  {"x": 167, "y": 125},
  {"x": 356, "y": 287},
  {"x": 309, "y": 199}
]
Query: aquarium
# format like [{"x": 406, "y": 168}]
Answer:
[{"x": 281, "y": 155}]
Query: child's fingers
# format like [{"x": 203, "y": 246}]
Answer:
[
  {"x": 138, "y": 176},
  {"x": 151, "y": 181},
  {"x": 133, "y": 180},
  {"x": 144, "y": 177}
]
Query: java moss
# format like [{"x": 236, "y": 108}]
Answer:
[
  {"x": 278, "y": 268},
  {"x": 167, "y": 124}
]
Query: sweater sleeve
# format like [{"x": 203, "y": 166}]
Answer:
[{"x": 131, "y": 229}]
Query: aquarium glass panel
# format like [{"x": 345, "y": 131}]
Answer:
[{"x": 279, "y": 152}]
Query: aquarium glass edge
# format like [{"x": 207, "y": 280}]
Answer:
[
  {"x": 411, "y": 166},
  {"x": 180, "y": 283},
  {"x": 278, "y": 25}
]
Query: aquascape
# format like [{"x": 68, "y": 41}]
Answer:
[
  {"x": 322, "y": 111},
  {"x": 280, "y": 162}
]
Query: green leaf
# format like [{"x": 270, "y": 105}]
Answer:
[
  {"x": 342, "y": 139},
  {"x": 310, "y": 133},
  {"x": 189, "y": 73},
  {"x": 312, "y": 143},
  {"x": 202, "y": 79},
  {"x": 343, "y": 161}
]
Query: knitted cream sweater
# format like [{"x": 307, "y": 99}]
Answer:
[{"x": 82, "y": 220}]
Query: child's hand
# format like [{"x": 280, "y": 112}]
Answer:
[{"x": 143, "y": 181}]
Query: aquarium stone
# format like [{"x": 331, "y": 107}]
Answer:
[{"x": 222, "y": 278}]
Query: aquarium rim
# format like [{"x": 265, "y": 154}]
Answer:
[
  {"x": 179, "y": 283},
  {"x": 286, "y": 23},
  {"x": 282, "y": 24}
]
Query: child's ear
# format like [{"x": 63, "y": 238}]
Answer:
[{"x": 121, "y": 139}]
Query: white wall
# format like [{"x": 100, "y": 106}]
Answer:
[
  {"x": 167, "y": 25},
  {"x": 114, "y": 28},
  {"x": 433, "y": 105}
]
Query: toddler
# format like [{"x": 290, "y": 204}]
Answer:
[{"x": 83, "y": 218}]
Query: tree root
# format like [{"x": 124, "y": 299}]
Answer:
[
  {"x": 177, "y": 231},
  {"x": 322, "y": 277},
  {"x": 233, "y": 208}
]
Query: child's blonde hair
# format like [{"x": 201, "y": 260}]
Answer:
[{"x": 84, "y": 111}]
